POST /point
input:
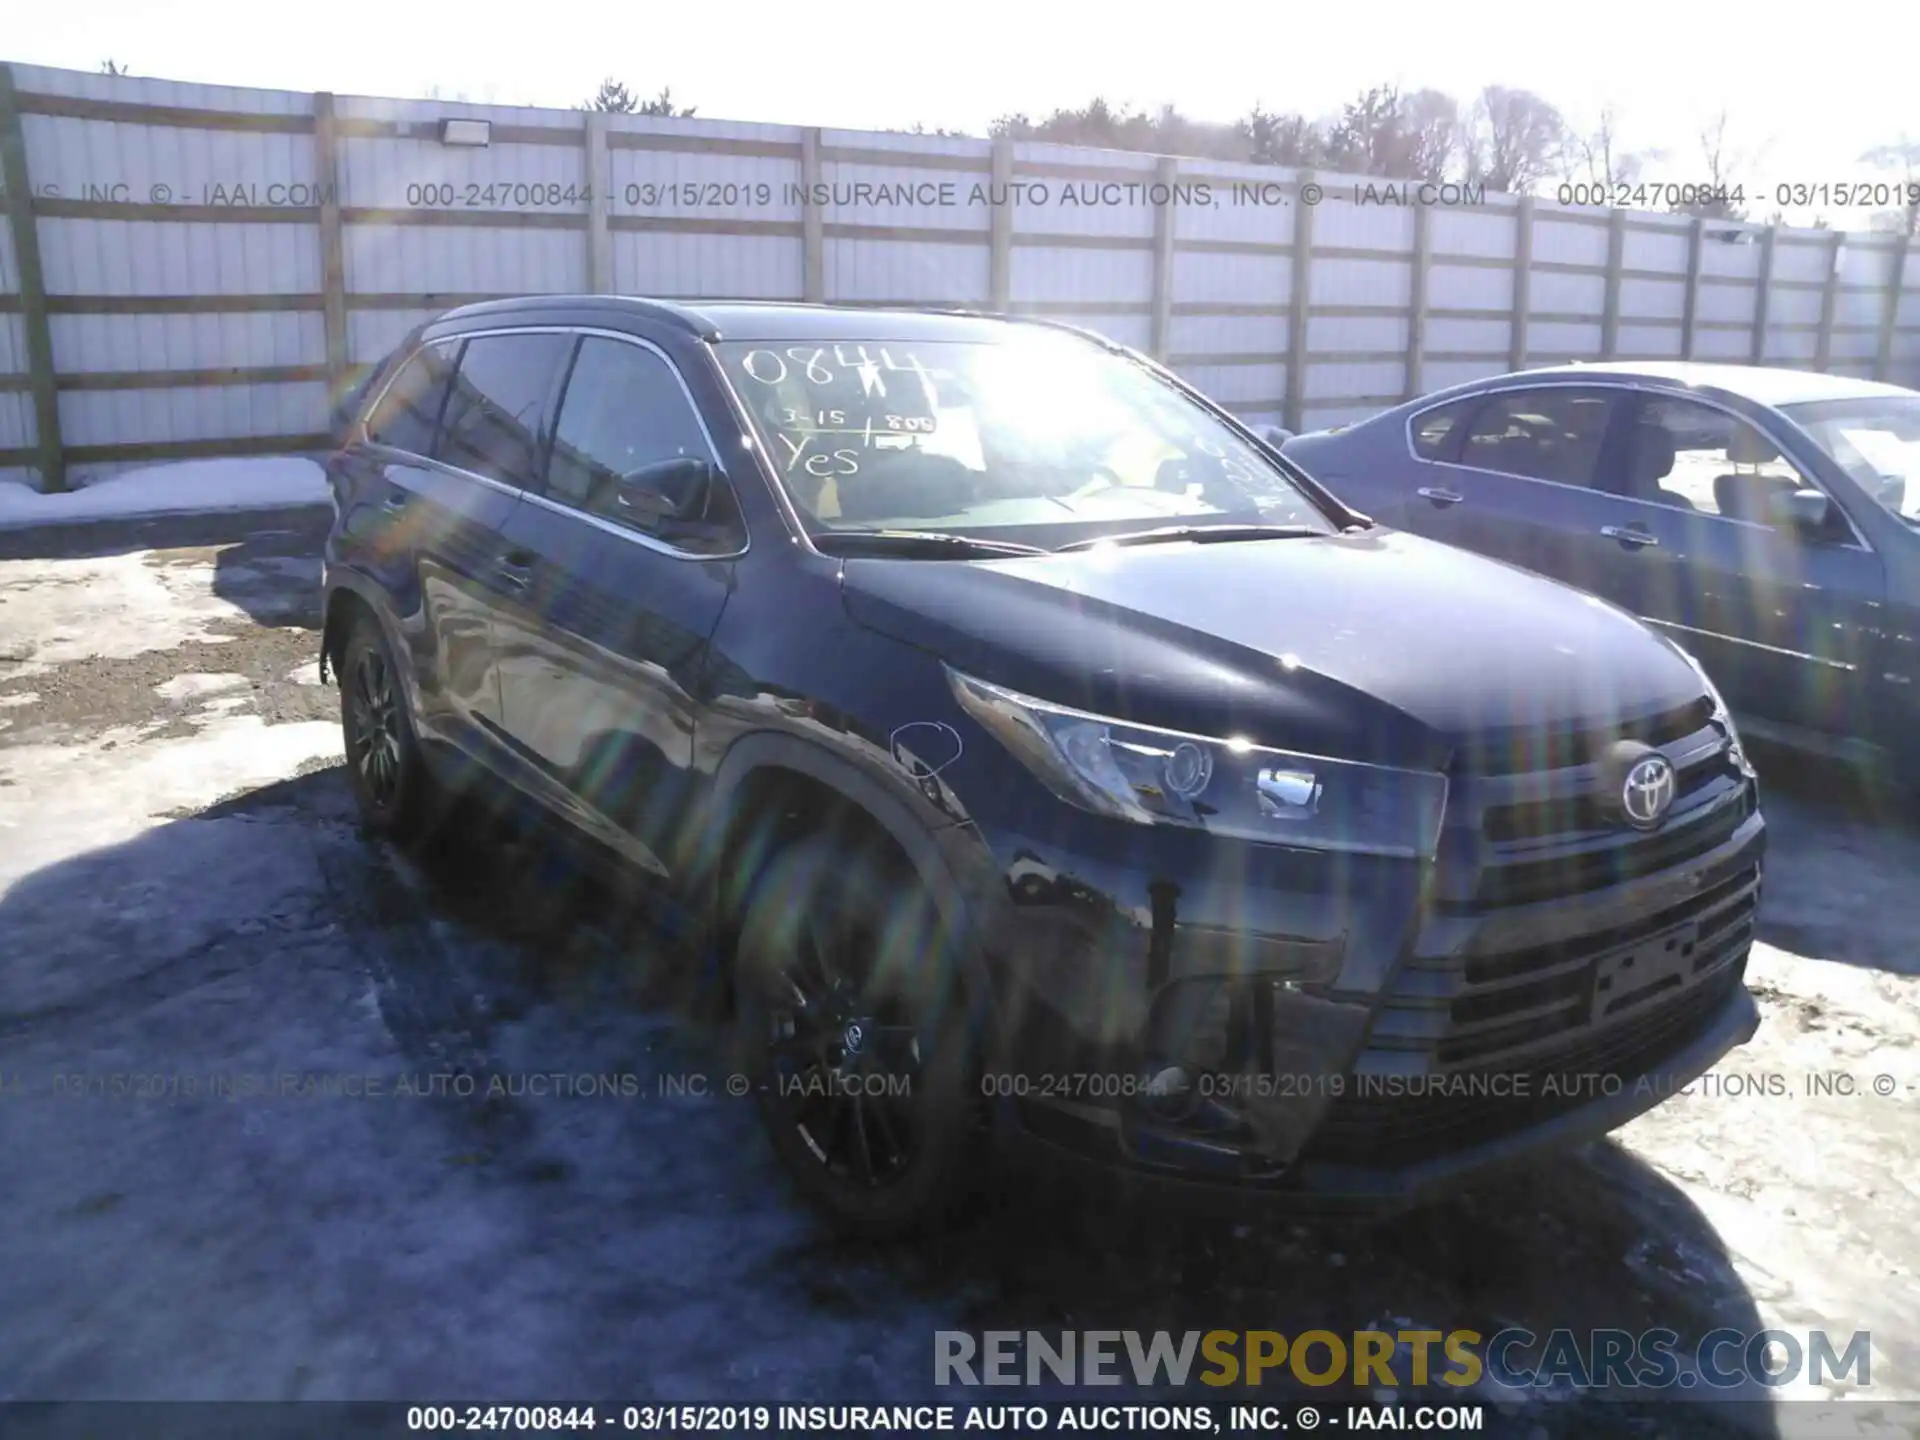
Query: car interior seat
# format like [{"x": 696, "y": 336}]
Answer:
[
  {"x": 1650, "y": 458},
  {"x": 1748, "y": 494}
]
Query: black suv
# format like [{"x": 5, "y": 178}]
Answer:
[{"x": 1040, "y": 754}]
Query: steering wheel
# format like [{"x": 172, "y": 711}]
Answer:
[{"x": 1104, "y": 478}]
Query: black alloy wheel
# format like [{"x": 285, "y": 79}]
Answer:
[{"x": 853, "y": 1032}]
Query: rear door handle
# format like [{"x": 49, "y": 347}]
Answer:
[
  {"x": 516, "y": 568},
  {"x": 1439, "y": 496},
  {"x": 1632, "y": 539}
]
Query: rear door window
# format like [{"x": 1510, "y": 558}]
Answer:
[
  {"x": 1552, "y": 433},
  {"x": 496, "y": 416},
  {"x": 407, "y": 415}
]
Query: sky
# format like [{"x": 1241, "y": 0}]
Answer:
[{"x": 1803, "y": 98}]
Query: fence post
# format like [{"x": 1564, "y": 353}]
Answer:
[
  {"x": 1417, "y": 301},
  {"x": 333, "y": 266},
  {"x": 1690, "y": 313},
  {"x": 813, "y": 233},
  {"x": 1890, "y": 308},
  {"x": 1300, "y": 266},
  {"x": 1763, "y": 299},
  {"x": 1616, "y": 256},
  {"x": 1000, "y": 237},
  {"x": 1167, "y": 173},
  {"x": 1517, "y": 348},
  {"x": 1829, "y": 302},
  {"x": 18, "y": 187},
  {"x": 599, "y": 192}
]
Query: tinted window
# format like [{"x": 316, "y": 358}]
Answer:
[
  {"x": 1705, "y": 459},
  {"x": 1434, "y": 429},
  {"x": 624, "y": 409},
  {"x": 409, "y": 410},
  {"x": 494, "y": 415},
  {"x": 1547, "y": 434}
]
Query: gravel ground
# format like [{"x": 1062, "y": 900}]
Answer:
[{"x": 185, "y": 905}]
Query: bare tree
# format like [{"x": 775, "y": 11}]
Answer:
[
  {"x": 1599, "y": 157},
  {"x": 1436, "y": 138},
  {"x": 1518, "y": 138},
  {"x": 109, "y": 67},
  {"x": 1725, "y": 167},
  {"x": 1903, "y": 158}
]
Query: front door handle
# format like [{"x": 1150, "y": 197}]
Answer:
[
  {"x": 1439, "y": 496},
  {"x": 516, "y": 568},
  {"x": 1633, "y": 539}
]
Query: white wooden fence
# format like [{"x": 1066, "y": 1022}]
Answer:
[{"x": 196, "y": 270}]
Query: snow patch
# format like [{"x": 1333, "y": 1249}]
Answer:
[
  {"x": 71, "y": 798},
  {"x": 188, "y": 486},
  {"x": 191, "y": 687},
  {"x": 107, "y": 606},
  {"x": 25, "y": 697}
]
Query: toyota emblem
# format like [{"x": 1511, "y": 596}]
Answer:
[{"x": 1647, "y": 792}]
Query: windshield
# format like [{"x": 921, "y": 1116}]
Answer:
[
  {"x": 1876, "y": 441},
  {"x": 1044, "y": 439}
]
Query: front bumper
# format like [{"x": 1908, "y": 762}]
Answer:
[
  {"x": 1314, "y": 1187},
  {"x": 1360, "y": 976}
]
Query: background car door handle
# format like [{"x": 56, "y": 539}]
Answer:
[
  {"x": 1439, "y": 496},
  {"x": 1632, "y": 539},
  {"x": 516, "y": 568}
]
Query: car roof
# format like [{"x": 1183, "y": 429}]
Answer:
[
  {"x": 1761, "y": 384},
  {"x": 770, "y": 320}
]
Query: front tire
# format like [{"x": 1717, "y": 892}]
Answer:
[
  {"x": 852, "y": 1026},
  {"x": 385, "y": 765}
]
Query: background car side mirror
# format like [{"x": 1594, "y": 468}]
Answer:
[{"x": 1808, "y": 511}]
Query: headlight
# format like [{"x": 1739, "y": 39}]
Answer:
[
  {"x": 1722, "y": 716},
  {"x": 1225, "y": 787}
]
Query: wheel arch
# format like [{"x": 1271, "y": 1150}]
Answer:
[{"x": 763, "y": 777}]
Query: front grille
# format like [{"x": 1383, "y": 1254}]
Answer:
[
  {"x": 1367, "y": 1127},
  {"x": 1614, "y": 996}
]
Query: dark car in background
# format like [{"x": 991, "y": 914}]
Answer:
[
  {"x": 1768, "y": 520},
  {"x": 1037, "y": 755}
]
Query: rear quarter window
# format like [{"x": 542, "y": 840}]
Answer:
[{"x": 1433, "y": 431}]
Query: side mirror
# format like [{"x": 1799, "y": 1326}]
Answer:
[
  {"x": 1808, "y": 511},
  {"x": 666, "y": 492},
  {"x": 1273, "y": 436}
]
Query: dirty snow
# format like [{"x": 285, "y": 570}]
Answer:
[{"x": 254, "y": 483}]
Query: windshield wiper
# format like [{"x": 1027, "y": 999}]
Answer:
[
  {"x": 933, "y": 543},
  {"x": 1200, "y": 535}
]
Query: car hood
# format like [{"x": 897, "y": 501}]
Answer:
[{"x": 1372, "y": 646}]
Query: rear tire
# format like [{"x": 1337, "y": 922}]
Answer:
[
  {"x": 852, "y": 1027},
  {"x": 385, "y": 766}
]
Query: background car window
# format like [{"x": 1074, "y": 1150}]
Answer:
[
  {"x": 1720, "y": 464},
  {"x": 1547, "y": 434},
  {"x": 494, "y": 415},
  {"x": 408, "y": 413},
  {"x": 1434, "y": 430},
  {"x": 624, "y": 409}
]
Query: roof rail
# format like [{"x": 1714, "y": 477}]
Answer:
[{"x": 664, "y": 310}]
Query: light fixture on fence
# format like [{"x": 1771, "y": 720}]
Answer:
[{"x": 466, "y": 132}]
